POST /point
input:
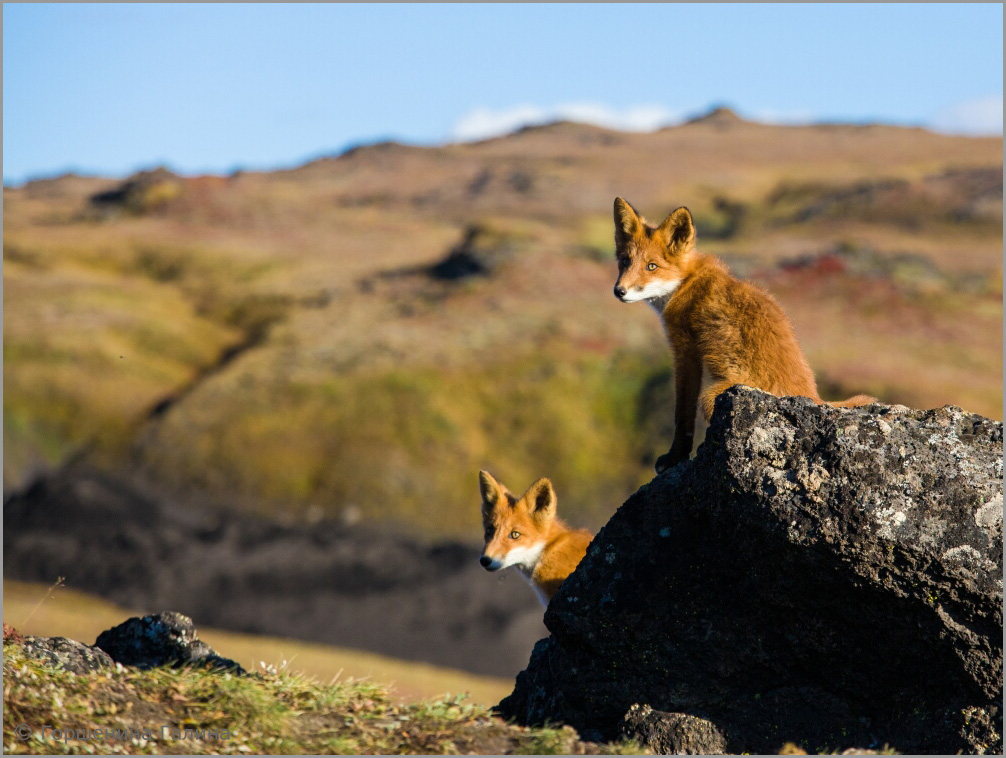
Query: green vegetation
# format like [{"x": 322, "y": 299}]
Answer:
[
  {"x": 194, "y": 711},
  {"x": 98, "y": 333}
]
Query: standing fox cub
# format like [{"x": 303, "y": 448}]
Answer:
[
  {"x": 732, "y": 328},
  {"x": 527, "y": 534}
]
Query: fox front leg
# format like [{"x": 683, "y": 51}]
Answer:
[{"x": 687, "y": 380}]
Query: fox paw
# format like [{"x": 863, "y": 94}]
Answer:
[{"x": 669, "y": 460}]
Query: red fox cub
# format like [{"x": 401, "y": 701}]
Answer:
[
  {"x": 527, "y": 534},
  {"x": 733, "y": 329}
]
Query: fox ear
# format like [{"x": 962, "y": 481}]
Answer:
[
  {"x": 627, "y": 221},
  {"x": 541, "y": 500},
  {"x": 679, "y": 230},
  {"x": 492, "y": 491}
]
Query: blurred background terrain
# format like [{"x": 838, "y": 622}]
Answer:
[
  {"x": 356, "y": 337},
  {"x": 262, "y": 397}
]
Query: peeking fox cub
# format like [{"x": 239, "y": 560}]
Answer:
[
  {"x": 733, "y": 329},
  {"x": 527, "y": 534}
]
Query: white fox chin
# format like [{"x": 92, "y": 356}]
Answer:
[
  {"x": 653, "y": 291},
  {"x": 524, "y": 558}
]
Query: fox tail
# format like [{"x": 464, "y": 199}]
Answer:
[{"x": 853, "y": 402}]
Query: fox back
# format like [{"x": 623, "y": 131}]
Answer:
[{"x": 526, "y": 533}]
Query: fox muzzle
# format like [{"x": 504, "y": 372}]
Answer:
[{"x": 489, "y": 564}]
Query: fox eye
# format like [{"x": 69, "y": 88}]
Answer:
[
  {"x": 623, "y": 261},
  {"x": 651, "y": 266},
  {"x": 490, "y": 532},
  {"x": 514, "y": 534}
]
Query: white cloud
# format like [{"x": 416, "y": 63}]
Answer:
[
  {"x": 784, "y": 118},
  {"x": 482, "y": 123},
  {"x": 977, "y": 117}
]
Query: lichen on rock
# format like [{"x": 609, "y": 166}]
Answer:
[{"x": 66, "y": 654}]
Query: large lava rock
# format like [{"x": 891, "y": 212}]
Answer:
[{"x": 826, "y": 577}]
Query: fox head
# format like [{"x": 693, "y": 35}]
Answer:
[
  {"x": 515, "y": 528},
  {"x": 652, "y": 260}
]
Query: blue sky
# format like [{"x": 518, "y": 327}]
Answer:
[{"x": 209, "y": 88}]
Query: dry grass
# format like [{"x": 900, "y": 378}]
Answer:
[
  {"x": 78, "y": 616},
  {"x": 169, "y": 711}
]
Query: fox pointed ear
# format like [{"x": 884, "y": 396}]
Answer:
[
  {"x": 493, "y": 493},
  {"x": 541, "y": 500},
  {"x": 679, "y": 230},
  {"x": 491, "y": 490},
  {"x": 627, "y": 221}
]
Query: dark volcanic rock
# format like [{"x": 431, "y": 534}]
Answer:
[
  {"x": 66, "y": 654},
  {"x": 167, "y": 639},
  {"x": 673, "y": 733},
  {"x": 827, "y": 577}
]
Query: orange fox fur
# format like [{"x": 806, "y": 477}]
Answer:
[
  {"x": 526, "y": 533},
  {"x": 732, "y": 328}
]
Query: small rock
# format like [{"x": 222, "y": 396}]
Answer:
[
  {"x": 69, "y": 655},
  {"x": 672, "y": 733},
  {"x": 167, "y": 639}
]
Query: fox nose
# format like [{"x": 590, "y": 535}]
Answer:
[
  {"x": 485, "y": 560},
  {"x": 619, "y": 292}
]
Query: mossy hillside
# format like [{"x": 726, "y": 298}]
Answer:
[
  {"x": 100, "y": 329},
  {"x": 384, "y": 402},
  {"x": 87, "y": 354},
  {"x": 405, "y": 445},
  {"x": 194, "y": 711}
]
